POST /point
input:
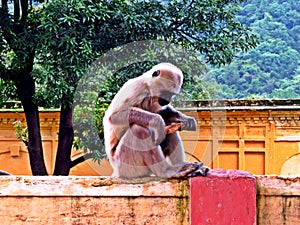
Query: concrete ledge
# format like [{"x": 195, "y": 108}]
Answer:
[
  {"x": 92, "y": 200},
  {"x": 223, "y": 197},
  {"x": 278, "y": 200},
  {"x": 91, "y": 186},
  {"x": 278, "y": 185}
]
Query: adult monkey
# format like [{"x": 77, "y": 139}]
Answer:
[{"x": 137, "y": 141}]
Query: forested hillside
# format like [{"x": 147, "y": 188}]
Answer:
[{"x": 272, "y": 69}]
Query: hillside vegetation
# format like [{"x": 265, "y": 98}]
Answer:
[{"x": 272, "y": 69}]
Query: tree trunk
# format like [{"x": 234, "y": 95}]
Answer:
[
  {"x": 26, "y": 88},
  {"x": 65, "y": 142},
  {"x": 35, "y": 147}
]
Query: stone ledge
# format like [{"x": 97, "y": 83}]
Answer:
[
  {"x": 278, "y": 185},
  {"x": 93, "y": 200},
  {"x": 91, "y": 186},
  {"x": 223, "y": 197},
  {"x": 278, "y": 200}
]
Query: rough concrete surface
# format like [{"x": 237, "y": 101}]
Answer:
[
  {"x": 90, "y": 200},
  {"x": 278, "y": 200}
]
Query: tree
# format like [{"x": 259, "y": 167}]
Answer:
[
  {"x": 54, "y": 44},
  {"x": 18, "y": 38}
]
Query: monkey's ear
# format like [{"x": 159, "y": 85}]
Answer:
[{"x": 156, "y": 73}]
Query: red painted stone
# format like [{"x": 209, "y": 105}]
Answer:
[{"x": 223, "y": 198}]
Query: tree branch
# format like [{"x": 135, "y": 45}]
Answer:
[
  {"x": 4, "y": 173},
  {"x": 16, "y": 11},
  {"x": 81, "y": 159},
  {"x": 4, "y": 4},
  {"x": 24, "y": 6}
]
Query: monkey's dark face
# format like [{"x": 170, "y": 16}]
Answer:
[
  {"x": 165, "y": 97},
  {"x": 163, "y": 102}
]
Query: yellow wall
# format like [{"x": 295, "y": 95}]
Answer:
[
  {"x": 14, "y": 156},
  {"x": 259, "y": 141}
]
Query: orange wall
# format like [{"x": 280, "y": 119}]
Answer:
[
  {"x": 13, "y": 153},
  {"x": 14, "y": 156},
  {"x": 259, "y": 141}
]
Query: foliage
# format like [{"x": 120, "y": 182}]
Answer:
[
  {"x": 69, "y": 35},
  {"x": 66, "y": 50},
  {"x": 21, "y": 132},
  {"x": 7, "y": 91},
  {"x": 271, "y": 70}
]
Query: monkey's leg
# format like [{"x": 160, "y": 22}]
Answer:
[
  {"x": 128, "y": 163},
  {"x": 137, "y": 156},
  {"x": 173, "y": 148},
  {"x": 128, "y": 159}
]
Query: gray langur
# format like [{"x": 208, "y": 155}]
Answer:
[{"x": 136, "y": 139}]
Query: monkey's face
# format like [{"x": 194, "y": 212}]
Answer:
[
  {"x": 165, "y": 97},
  {"x": 166, "y": 82}
]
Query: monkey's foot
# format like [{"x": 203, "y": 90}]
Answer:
[
  {"x": 201, "y": 171},
  {"x": 188, "y": 169}
]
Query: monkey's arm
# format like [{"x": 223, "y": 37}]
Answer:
[
  {"x": 150, "y": 120},
  {"x": 124, "y": 108}
]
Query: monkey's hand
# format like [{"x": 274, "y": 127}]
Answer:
[
  {"x": 189, "y": 123},
  {"x": 172, "y": 116},
  {"x": 172, "y": 128},
  {"x": 150, "y": 120}
]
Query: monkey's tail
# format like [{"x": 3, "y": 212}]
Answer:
[{"x": 190, "y": 154}]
